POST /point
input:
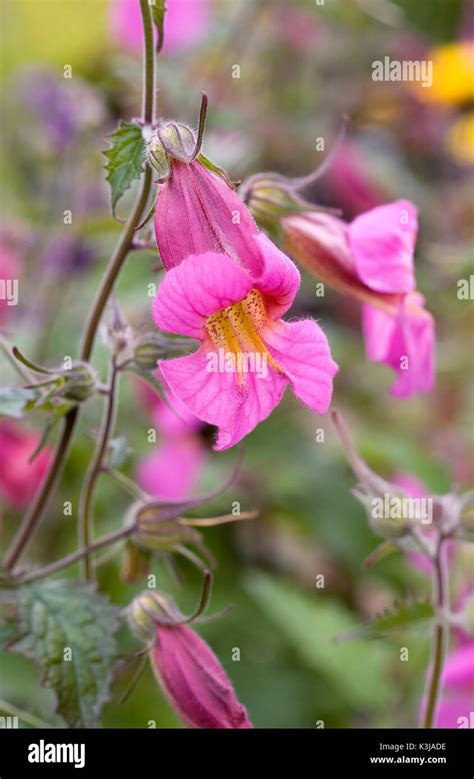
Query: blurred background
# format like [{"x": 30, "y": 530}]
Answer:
[{"x": 69, "y": 70}]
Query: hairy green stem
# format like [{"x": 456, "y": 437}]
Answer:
[
  {"x": 79, "y": 554},
  {"x": 37, "y": 509},
  {"x": 148, "y": 100},
  {"x": 87, "y": 496}
]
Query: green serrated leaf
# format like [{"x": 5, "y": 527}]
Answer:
[
  {"x": 56, "y": 616},
  {"x": 124, "y": 159},
  {"x": 15, "y": 401},
  {"x": 310, "y": 624},
  {"x": 158, "y": 8},
  {"x": 402, "y": 617}
]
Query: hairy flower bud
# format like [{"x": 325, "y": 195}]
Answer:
[
  {"x": 154, "y": 346},
  {"x": 178, "y": 140},
  {"x": 151, "y": 609},
  {"x": 269, "y": 201},
  {"x": 80, "y": 382},
  {"x": 157, "y": 531}
]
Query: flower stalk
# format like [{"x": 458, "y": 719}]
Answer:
[{"x": 440, "y": 637}]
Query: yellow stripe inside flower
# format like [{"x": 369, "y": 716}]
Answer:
[{"x": 235, "y": 331}]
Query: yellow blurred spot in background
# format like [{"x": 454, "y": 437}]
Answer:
[
  {"x": 453, "y": 75},
  {"x": 460, "y": 140},
  {"x": 53, "y": 32}
]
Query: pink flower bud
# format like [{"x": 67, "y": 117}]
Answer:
[{"x": 194, "y": 681}]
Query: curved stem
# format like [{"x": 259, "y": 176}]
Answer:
[
  {"x": 79, "y": 554},
  {"x": 36, "y": 512},
  {"x": 440, "y": 639},
  {"x": 87, "y": 495},
  {"x": 116, "y": 261}
]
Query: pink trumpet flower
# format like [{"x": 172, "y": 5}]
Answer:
[
  {"x": 215, "y": 217},
  {"x": 194, "y": 681},
  {"x": 248, "y": 354},
  {"x": 371, "y": 259}
]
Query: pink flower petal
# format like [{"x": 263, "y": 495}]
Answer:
[
  {"x": 454, "y": 710},
  {"x": 217, "y": 398},
  {"x": 197, "y": 212},
  {"x": 459, "y": 668},
  {"x": 302, "y": 350},
  {"x": 194, "y": 680},
  {"x": 382, "y": 243},
  {"x": 279, "y": 279},
  {"x": 408, "y": 337},
  {"x": 195, "y": 289}
]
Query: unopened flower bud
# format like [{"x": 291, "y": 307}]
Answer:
[
  {"x": 153, "y": 347},
  {"x": 157, "y": 531},
  {"x": 269, "y": 200},
  {"x": 178, "y": 140},
  {"x": 385, "y": 514},
  {"x": 158, "y": 157},
  {"x": 151, "y": 609},
  {"x": 173, "y": 142},
  {"x": 80, "y": 382},
  {"x": 194, "y": 681}
]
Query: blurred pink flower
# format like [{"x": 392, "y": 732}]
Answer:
[
  {"x": 371, "y": 259},
  {"x": 194, "y": 681},
  {"x": 172, "y": 470},
  {"x": 348, "y": 183},
  {"x": 248, "y": 355},
  {"x": 19, "y": 479},
  {"x": 186, "y": 23},
  {"x": 298, "y": 27}
]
